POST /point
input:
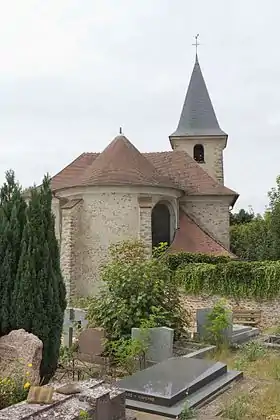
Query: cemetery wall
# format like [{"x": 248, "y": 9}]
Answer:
[{"x": 270, "y": 308}]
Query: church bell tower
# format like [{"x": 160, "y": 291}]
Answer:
[{"x": 198, "y": 132}]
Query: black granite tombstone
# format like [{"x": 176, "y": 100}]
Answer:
[
  {"x": 164, "y": 388},
  {"x": 169, "y": 381}
]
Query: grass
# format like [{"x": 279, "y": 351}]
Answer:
[
  {"x": 263, "y": 365},
  {"x": 263, "y": 404}
]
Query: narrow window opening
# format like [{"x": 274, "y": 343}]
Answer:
[
  {"x": 198, "y": 153},
  {"x": 160, "y": 224}
]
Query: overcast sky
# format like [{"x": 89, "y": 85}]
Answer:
[{"x": 73, "y": 71}]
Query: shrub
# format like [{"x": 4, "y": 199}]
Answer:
[
  {"x": 174, "y": 261},
  {"x": 218, "y": 321},
  {"x": 135, "y": 289},
  {"x": 237, "y": 279}
]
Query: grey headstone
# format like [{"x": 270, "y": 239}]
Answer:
[
  {"x": 160, "y": 342},
  {"x": 202, "y": 323}
]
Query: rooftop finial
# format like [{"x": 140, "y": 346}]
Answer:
[
  {"x": 196, "y": 44},
  {"x": 121, "y": 132}
]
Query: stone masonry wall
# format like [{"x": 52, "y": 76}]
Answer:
[
  {"x": 270, "y": 309},
  {"x": 56, "y": 212},
  {"x": 145, "y": 225},
  {"x": 66, "y": 253},
  {"x": 213, "y": 215},
  {"x": 71, "y": 246},
  {"x": 213, "y": 154},
  {"x": 106, "y": 218}
]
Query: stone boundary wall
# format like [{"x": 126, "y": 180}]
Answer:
[{"x": 270, "y": 308}]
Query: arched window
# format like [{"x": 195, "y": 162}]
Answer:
[
  {"x": 160, "y": 224},
  {"x": 198, "y": 153}
]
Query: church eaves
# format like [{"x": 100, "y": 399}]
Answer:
[{"x": 198, "y": 117}]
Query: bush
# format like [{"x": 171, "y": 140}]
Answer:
[
  {"x": 174, "y": 261},
  {"x": 217, "y": 323},
  {"x": 237, "y": 279},
  {"x": 135, "y": 289}
]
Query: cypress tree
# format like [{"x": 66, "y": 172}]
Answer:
[
  {"x": 39, "y": 294},
  {"x": 12, "y": 221},
  {"x": 55, "y": 288}
]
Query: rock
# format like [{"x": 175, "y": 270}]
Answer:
[
  {"x": 21, "y": 354},
  {"x": 69, "y": 389}
]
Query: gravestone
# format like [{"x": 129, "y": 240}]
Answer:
[
  {"x": 159, "y": 342},
  {"x": 21, "y": 352},
  {"x": 165, "y": 388},
  {"x": 91, "y": 344},
  {"x": 73, "y": 318},
  {"x": 202, "y": 323}
]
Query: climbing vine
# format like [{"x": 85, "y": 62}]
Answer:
[
  {"x": 237, "y": 279},
  {"x": 179, "y": 259}
]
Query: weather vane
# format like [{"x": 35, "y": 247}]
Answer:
[
  {"x": 121, "y": 130},
  {"x": 196, "y": 44}
]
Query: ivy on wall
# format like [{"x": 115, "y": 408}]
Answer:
[
  {"x": 174, "y": 261},
  {"x": 236, "y": 279}
]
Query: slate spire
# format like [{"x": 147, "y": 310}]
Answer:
[{"x": 198, "y": 117}]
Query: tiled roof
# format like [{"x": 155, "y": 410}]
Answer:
[
  {"x": 188, "y": 174},
  {"x": 69, "y": 175},
  {"x": 122, "y": 164},
  {"x": 173, "y": 169},
  {"x": 190, "y": 237},
  {"x": 198, "y": 116}
]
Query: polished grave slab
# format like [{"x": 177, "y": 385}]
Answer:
[
  {"x": 165, "y": 388},
  {"x": 169, "y": 381}
]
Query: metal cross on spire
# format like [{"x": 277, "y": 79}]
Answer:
[{"x": 196, "y": 44}]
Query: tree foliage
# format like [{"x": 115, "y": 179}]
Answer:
[
  {"x": 31, "y": 285},
  {"x": 12, "y": 221},
  {"x": 253, "y": 240},
  {"x": 135, "y": 289},
  {"x": 241, "y": 217},
  {"x": 257, "y": 237}
]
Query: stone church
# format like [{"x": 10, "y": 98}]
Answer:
[{"x": 177, "y": 196}]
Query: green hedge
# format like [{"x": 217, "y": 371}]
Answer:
[
  {"x": 237, "y": 279},
  {"x": 182, "y": 258}
]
